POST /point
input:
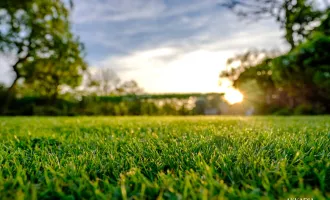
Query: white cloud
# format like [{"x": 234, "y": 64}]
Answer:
[
  {"x": 194, "y": 71},
  {"x": 184, "y": 66},
  {"x": 157, "y": 53},
  {"x": 180, "y": 31},
  {"x": 141, "y": 60}
]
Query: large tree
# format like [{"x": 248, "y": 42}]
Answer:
[
  {"x": 299, "y": 77},
  {"x": 305, "y": 72},
  {"x": 63, "y": 68},
  {"x": 37, "y": 33}
]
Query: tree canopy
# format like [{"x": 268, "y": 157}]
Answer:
[
  {"x": 37, "y": 33},
  {"x": 300, "y": 77}
]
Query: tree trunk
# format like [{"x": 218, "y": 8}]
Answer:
[
  {"x": 11, "y": 89},
  {"x": 54, "y": 97},
  {"x": 9, "y": 97}
]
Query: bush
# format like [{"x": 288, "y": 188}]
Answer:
[
  {"x": 48, "y": 110},
  {"x": 304, "y": 109},
  {"x": 309, "y": 109},
  {"x": 283, "y": 112}
]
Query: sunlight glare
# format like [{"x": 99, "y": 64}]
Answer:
[{"x": 233, "y": 96}]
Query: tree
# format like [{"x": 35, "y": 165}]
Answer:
[
  {"x": 305, "y": 72},
  {"x": 297, "y": 17},
  {"x": 37, "y": 33},
  {"x": 63, "y": 68},
  {"x": 129, "y": 87},
  {"x": 301, "y": 76},
  {"x": 103, "y": 81},
  {"x": 253, "y": 66}
]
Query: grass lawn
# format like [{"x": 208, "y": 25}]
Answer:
[{"x": 165, "y": 157}]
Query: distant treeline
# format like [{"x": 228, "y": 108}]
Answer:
[
  {"x": 166, "y": 104},
  {"x": 152, "y": 105}
]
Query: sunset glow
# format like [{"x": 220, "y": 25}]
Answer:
[{"x": 234, "y": 96}]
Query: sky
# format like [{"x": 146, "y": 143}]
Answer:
[{"x": 165, "y": 45}]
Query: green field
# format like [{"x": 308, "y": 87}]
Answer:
[{"x": 165, "y": 157}]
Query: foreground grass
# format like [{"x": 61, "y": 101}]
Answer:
[{"x": 165, "y": 157}]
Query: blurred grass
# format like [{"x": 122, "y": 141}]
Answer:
[{"x": 164, "y": 157}]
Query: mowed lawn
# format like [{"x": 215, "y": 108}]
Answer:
[{"x": 165, "y": 157}]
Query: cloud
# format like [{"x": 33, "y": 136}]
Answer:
[
  {"x": 141, "y": 60},
  {"x": 116, "y": 10},
  {"x": 123, "y": 10},
  {"x": 184, "y": 24},
  {"x": 180, "y": 72},
  {"x": 194, "y": 71},
  {"x": 180, "y": 48},
  {"x": 180, "y": 67}
]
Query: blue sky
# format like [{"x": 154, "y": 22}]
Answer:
[{"x": 165, "y": 45}]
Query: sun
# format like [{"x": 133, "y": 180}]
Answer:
[{"x": 233, "y": 96}]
